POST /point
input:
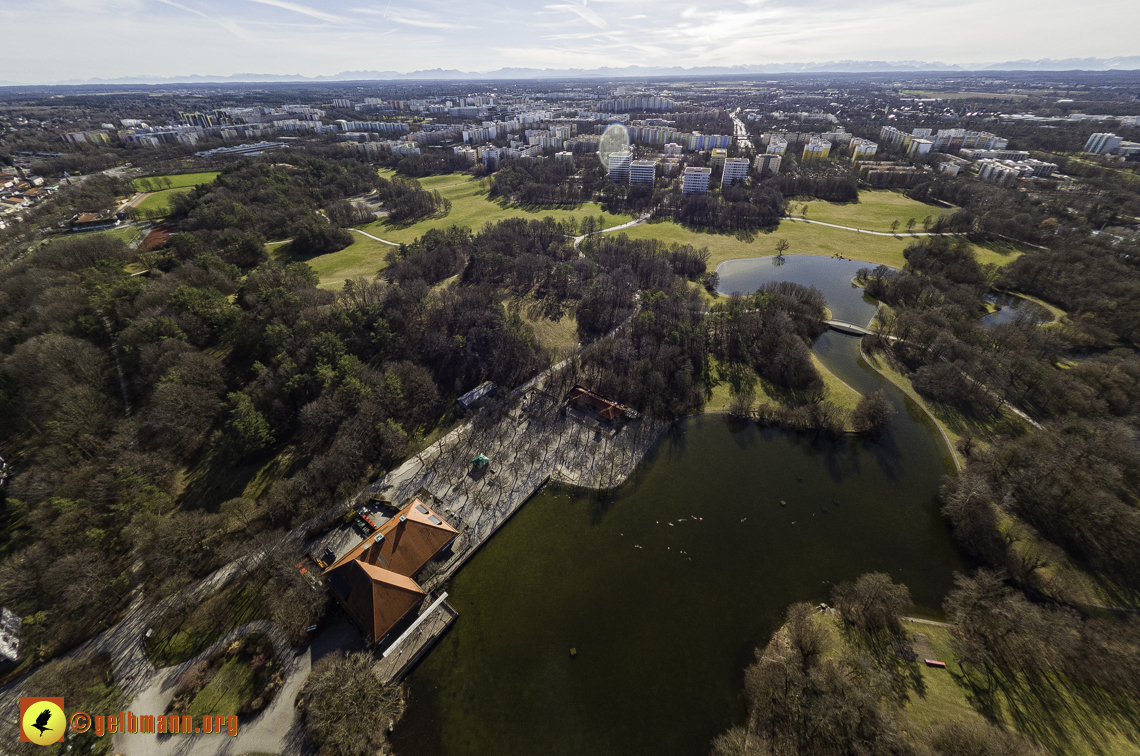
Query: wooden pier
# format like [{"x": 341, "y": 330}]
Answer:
[{"x": 415, "y": 641}]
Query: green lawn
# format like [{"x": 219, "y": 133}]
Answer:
[
  {"x": 125, "y": 233},
  {"x": 874, "y": 211},
  {"x": 1063, "y": 715},
  {"x": 181, "y": 180},
  {"x": 727, "y": 380},
  {"x": 160, "y": 201},
  {"x": 470, "y": 207},
  {"x": 804, "y": 238},
  {"x": 364, "y": 257},
  {"x": 556, "y": 331},
  {"x": 231, "y": 688},
  {"x": 179, "y": 637}
]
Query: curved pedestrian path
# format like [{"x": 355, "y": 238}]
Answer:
[
  {"x": 863, "y": 230},
  {"x": 274, "y": 730}
]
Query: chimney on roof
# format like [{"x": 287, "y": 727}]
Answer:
[{"x": 373, "y": 552}]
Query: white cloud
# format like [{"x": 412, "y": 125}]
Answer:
[
  {"x": 302, "y": 9},
  {"x": 582, "y": 11},
  {"x": 99, "y": 38}
]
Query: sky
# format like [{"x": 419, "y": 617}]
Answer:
[{"x": 56, "y": 40}]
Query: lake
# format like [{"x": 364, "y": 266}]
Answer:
[
  {"x": 1013, "y": 307},
  {"x": 831, "y": 276},
  {"x": 667, "y": 585}
]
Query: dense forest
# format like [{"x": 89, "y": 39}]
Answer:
[{"x": 114, "y": 387}]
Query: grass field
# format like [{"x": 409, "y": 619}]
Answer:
[
  {"x": 557, "y": 332},
  {"x": 180, "y": 637},
  {"x": 805, "y": 239},
  {"x": 160, "y": 201},
  {"x": 1062, "y": 714},
  {"x": 364, "y": 257},
  {"x": 229, "y": 690},
  {"x": 181, "y": 180},
  {"x": 727, "y": 380},
  {"x": 470, "y": 207},
  {"x": 126, "y": 234},
  {"x": 874, "y": 211}
]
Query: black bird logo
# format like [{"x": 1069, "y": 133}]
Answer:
[{"x": 42, "y": 721}]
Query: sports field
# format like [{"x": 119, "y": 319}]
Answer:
[{"x": 160, "y": 201}]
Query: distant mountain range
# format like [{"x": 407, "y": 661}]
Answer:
[{"x": 1128, "y": 63}]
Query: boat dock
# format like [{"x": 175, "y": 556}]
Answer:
[{"x": 415, "y": 641}]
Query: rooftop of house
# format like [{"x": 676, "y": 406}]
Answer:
[
  {"x": 604, "y": 407},
  {"x": 373, "y": 580},
  {"x": 405, "y": 543}
]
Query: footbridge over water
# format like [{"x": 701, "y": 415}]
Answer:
[{"x": 844, "y": 327}]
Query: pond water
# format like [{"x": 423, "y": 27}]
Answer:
[
  {"x": 667, "y": 585},
  {"x": 1014, "y": 307},
  {"x": 830, "y": 275}
]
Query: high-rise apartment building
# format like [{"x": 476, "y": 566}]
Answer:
[
  {"x": 695, "y": 180},
  {"x": 816, "y": 149},
  {"x": 642, "y": 172},
  {"x": 734, "y": 168},
  {"x": 768, "y": 162},
  {"x": 718, "y": 158},
  {"x": 619, "y": 167},
  {"x": 862, "y": 149},
  {"x": 919, "y": 147}
]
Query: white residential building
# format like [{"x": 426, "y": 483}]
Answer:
[
  {"x": 734, "y": 168},
  {"x": 777, "y": 146},
  {"x": 696, "y": 180},
  {"x": 619, "y": 167},
  {"x": 642, "y": 172},
  {"x": 768, "y": 162},
  {"x": 863, "y": 149},
  {"x": 919, "y": 147}
]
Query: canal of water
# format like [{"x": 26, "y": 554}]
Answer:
[{"x": 666, "y": 586}]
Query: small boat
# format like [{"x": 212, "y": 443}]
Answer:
[{"x": 935, "y": 663}]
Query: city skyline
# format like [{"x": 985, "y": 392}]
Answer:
[{"x": 120, "y": 38}]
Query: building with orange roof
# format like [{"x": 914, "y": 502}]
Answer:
[
  {"x": 374, "y": 582},
  {"x": 587, "y": 400}
]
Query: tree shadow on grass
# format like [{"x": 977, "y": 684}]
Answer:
[
  {"x": 895, "y": 656},
  {"x": 214, "y": 478},
  {"x": 1057, "y": 711}
]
